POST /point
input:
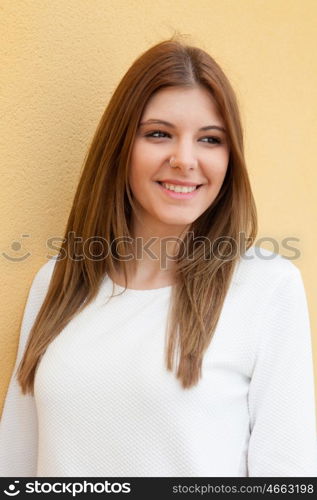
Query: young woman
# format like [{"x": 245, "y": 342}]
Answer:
[{"x": 202, "y": 364}]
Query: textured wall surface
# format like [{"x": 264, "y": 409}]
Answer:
[{"x": 61, "y": 61}]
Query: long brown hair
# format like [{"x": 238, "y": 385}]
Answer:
[{"x": 103, "y": 206}]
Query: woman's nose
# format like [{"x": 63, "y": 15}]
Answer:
[{"x": 184, "y": 158}]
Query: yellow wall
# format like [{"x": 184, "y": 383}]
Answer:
[{"x": 62, "y": 62}]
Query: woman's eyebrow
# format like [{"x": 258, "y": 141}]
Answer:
[{"x": 163, "y": 122}]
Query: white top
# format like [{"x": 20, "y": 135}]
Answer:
[{"x": 105, "y": 405}]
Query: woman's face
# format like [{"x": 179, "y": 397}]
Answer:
[{"x": 200, "y": 157}]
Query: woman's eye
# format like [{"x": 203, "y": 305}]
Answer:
[
  {"x": 151, "y": 134},
  {"x": 215, "y": 139}
]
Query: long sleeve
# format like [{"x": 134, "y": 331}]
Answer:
[
  {"x": 281, "y": 393},
  {"x": 18, "y": 425}
]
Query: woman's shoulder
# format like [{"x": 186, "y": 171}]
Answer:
[
  {"x": 42, "y": 278},
  {"x": 45, "y": 271},
  {"x": 264, "y": 266}
]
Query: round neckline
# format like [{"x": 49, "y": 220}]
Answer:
[{"x": 137, "y": 290}]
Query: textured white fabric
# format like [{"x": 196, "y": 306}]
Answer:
[{"x": 105, "y": 405}]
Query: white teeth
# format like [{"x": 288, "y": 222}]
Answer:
[{"x": 179, "y": 189}]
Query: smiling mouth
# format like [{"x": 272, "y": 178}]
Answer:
[{"x": 197, "y": 187}]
